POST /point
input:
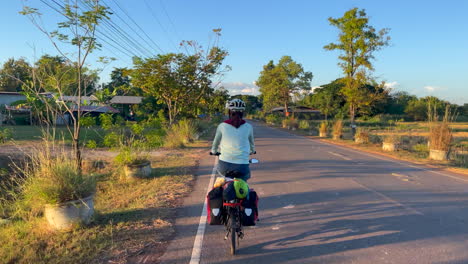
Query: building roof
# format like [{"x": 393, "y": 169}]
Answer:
[
  {"x": 126, "y": 99},
  {"x": 67, "y": 98},
  {"x": 10, "y": 93},
  {"x": 96, "y": 109},
  {"x": 297, "y": 109}
]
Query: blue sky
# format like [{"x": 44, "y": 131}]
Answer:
[{"x": 428, "y": 54}]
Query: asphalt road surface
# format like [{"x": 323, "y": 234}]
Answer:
[{"x": 321, "y": 203}]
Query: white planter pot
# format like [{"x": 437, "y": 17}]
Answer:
[
  {"x": 138, "y": 171},
  {"x": 386, "y": 146},
  {"x": 438, "y": 154},
  {"x": 65, "y": 216}
]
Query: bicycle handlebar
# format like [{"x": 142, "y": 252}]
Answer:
[{"x": 217, "y": 153}]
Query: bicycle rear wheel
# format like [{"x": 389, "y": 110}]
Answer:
[{"x": 233, "y": 241}]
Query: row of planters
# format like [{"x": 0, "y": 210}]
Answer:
[
  {"x": 50, "y": 182},
  {"x": 439, "y": 142}
]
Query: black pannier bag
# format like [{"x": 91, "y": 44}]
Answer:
[
  {"x": 215, "y": 210},
  {"x": 229, "y": 192},
  {"x": 249, "y": 210}
]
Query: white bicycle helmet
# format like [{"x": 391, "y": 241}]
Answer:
[{"x": 236, "y": 105}]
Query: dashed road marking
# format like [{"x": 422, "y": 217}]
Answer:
[{"x": 339, "y": 155}]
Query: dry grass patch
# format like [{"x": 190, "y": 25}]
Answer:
[{"x": 132, "y": 218}]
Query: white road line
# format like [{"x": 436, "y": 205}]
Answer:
[
  {"x": 395, "y": 161},
  {"x": 339, "y": 155},
  {"x": 388, "y": 199},
  {"x": 197, "y": 244}
]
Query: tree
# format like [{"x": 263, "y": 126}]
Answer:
[
  {"x": 357, "y": 41},
  {"x": 217, "y": 101},
  {"x": 77, "y": 31},
  {"x": 120, "y": 83},
  {"x": 278, "y": 82},
  {"x": 417, "y": 108},
  {"x": 178, "y": 80},
  {"x": 252, "y": 102},
  {"x": 14, "y": 74},
  {"x": 59, "y": 74},
  {"x": 328, "y": 99}
]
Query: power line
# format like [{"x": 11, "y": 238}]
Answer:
[
  {"x": 127, "y": 52},
  {"x": 136, "y": 24},
  {"x": 153, "y": 14},
  {"x": 120, "y": 33}
]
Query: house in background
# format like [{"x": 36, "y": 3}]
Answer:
[
  {"x": 7, "y": 98},
  {"x": 300, "y": 111}
]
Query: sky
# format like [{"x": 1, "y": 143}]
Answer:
[{"x": 428, "y": 54}]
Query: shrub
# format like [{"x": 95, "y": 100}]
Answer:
[
  {"x": 106, "y": 121},
  {"x": 187, "y": 130},
  {"x": 5, "y": 134},
  {"x": 362, "y": 135},
  {"x": 91, "y": 144},
  {"x": 304, "y": 124},
  {"x": 87, "y": 121},
  {"x": 111, "y": 140},
  {"x": 338, "y": 128},
  {"x": 272, "y": 119},
  {"x": 392, "y": 139},
  {"x": 180, "y": 134},
  {"x": 130, "y": 156},
  {"x": 155, "y": 138}
]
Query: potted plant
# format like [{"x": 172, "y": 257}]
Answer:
[
  {"x": 390, "y": 142},
  {"x": 54, "y": 186},
  {"x": 362, "y": 136},
  {"x": 323, "y": 129},
  {"x": 440, "y": 134},
  {"x": 338, "y": 129},
  {"x": 135, "y": 164}
]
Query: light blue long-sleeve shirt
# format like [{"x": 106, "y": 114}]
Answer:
[{"x": 234, "y": 144}]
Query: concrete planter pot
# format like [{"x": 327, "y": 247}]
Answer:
[
  {"x": 322, "y": 134},
  {"x": 66, "y": 215},
  {"x": 438, "y": 154},
  {"x": 141, "y": 170},
  {"x": 387, "y": 146}
]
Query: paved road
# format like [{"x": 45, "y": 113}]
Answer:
[{"x": 321, "y": 203}]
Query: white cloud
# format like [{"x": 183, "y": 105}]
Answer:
[
  {"x": 391, "y": 85},
  {"x": 431, "y": 88},
  {"x": 241, "y": 88}
]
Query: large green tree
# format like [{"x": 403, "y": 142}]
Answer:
[
  {"x": 278, "y": 82},
  {"x": 357, "y": 42},
  {"x": 13, "y": 74},
  {"x": 328, "y": 99},
  {"x": 180, "y": 81}
]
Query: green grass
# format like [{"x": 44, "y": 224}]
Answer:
[
  {"x": 28, "y": 133},
  {"x": 130, "y": 216}
]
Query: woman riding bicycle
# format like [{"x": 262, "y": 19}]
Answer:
[{"x": 235, "y": 141}]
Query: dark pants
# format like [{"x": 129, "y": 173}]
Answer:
[{"x": 232, "y": 170}]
